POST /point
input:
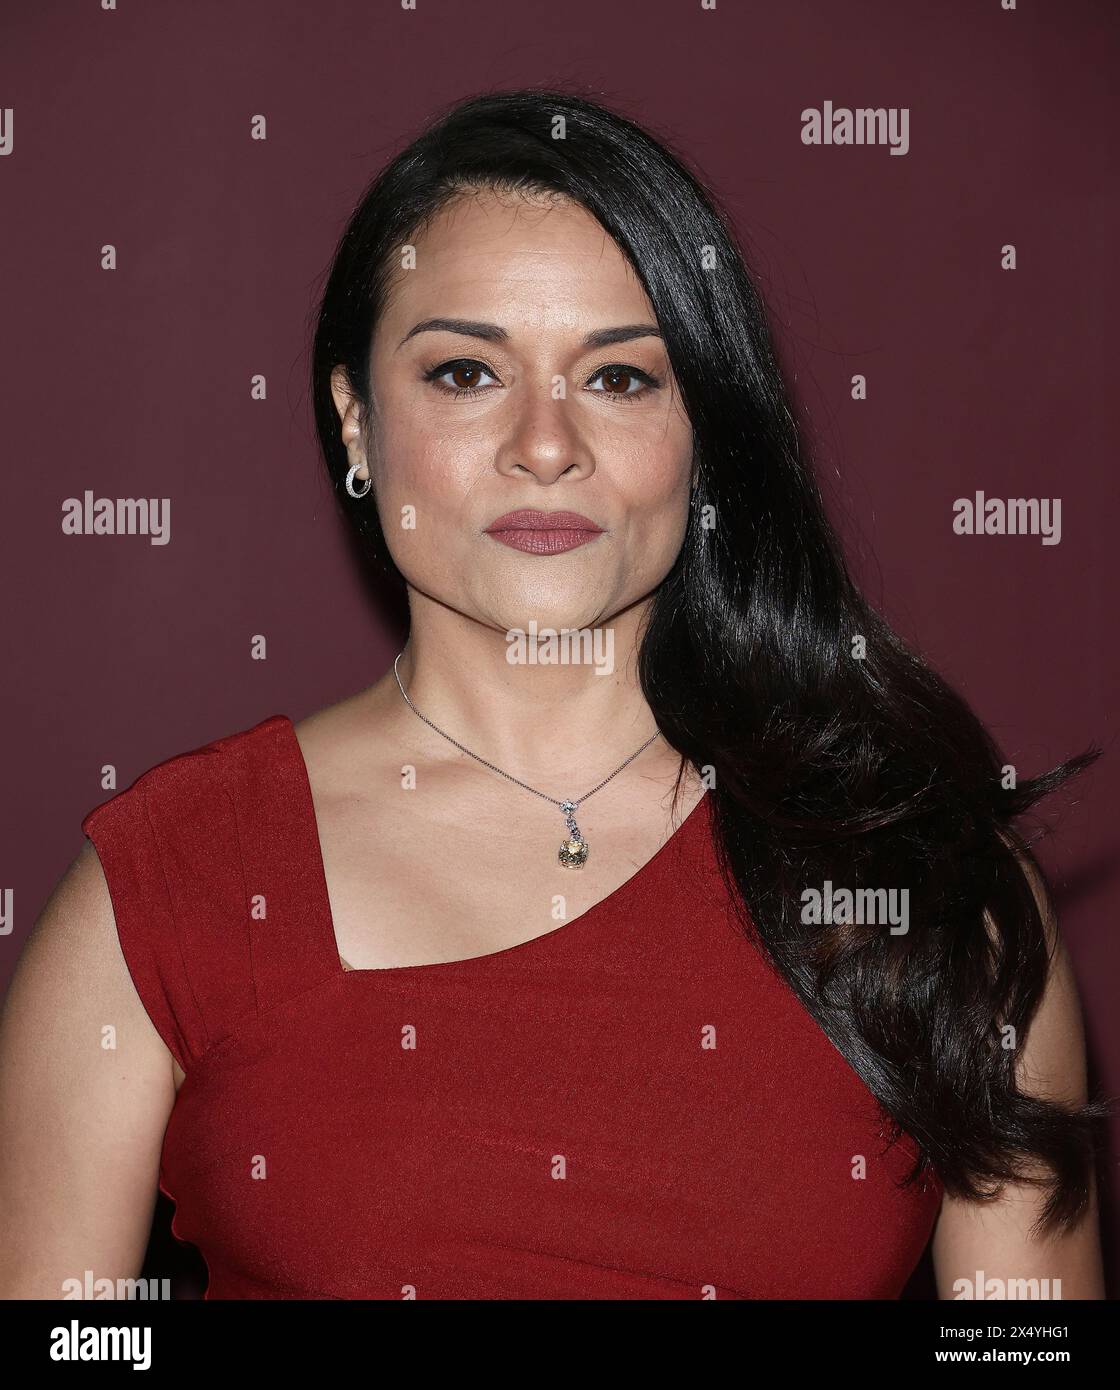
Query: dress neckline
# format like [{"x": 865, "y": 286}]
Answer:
[{"x": 308, "y": 821}]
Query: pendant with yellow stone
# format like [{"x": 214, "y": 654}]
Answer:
[{"x": 574, "y": 850}]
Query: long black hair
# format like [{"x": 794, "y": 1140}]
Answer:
[{"x": 839, "y": 755}]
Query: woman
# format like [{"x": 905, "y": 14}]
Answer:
[{"x": 505, "y": 978}]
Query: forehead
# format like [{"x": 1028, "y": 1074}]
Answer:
[{"x": 486, "y": 248}]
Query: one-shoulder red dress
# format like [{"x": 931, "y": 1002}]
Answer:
[{"x": 631, "y": 1106}]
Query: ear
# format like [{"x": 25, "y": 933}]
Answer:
[
  {"x": 341, "y": 394},
  {"x": 350, "y": 415}
]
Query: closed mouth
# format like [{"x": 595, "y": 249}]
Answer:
[
  {"x": 543, "y": 533},
  {"x": 528, "y": 520}
]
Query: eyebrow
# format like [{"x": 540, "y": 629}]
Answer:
[{"x": 492, "y": 333}]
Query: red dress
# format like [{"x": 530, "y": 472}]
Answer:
[{"x": 631, "y": 1106}]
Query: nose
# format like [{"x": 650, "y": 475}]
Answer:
[{"x": 544, "y": 440}]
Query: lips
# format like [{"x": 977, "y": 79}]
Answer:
[{"x": 543, "y": 533}]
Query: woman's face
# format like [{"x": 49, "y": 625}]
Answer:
[{"x": 543, "y": 420}]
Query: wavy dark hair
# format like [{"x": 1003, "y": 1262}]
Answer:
[{"x": 828, "y": 766}]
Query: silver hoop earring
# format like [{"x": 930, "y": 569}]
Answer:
[{"x": 350, "y": 482}]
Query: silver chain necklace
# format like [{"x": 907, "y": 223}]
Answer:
[{"x": 574, "y": 850}]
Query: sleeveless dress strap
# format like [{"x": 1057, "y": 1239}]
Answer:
[
  {"x": 168, "y": 849},
  {"x": 218, "y": 911},
  {"x": 291, "y": 935}
]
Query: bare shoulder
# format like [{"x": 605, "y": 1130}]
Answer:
[
  {"x": 999, "y": 1236},
  {"x": 71, "y": 969},
  {"x": 340, "y": 743},
  {"x": 86, "y": 1087},
  {"x": 330, "y": 726},
  {"x": 76, "y": 928}
]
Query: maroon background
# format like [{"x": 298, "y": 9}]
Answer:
[{"x": 133, "y": 128}]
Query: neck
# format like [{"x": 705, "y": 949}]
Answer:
[{"x": 560, "y": 715}]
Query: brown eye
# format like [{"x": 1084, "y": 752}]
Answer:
[
  {"x": 618, "y": 382},
  {"x": 464, "y": 377}
]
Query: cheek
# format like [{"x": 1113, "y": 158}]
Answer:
[
  {"x": 656, "y": 528},
  {"x": 654, "y": 486},
  {"x": 419, "y": 467},
  {"x": 422, "y": 485}
]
